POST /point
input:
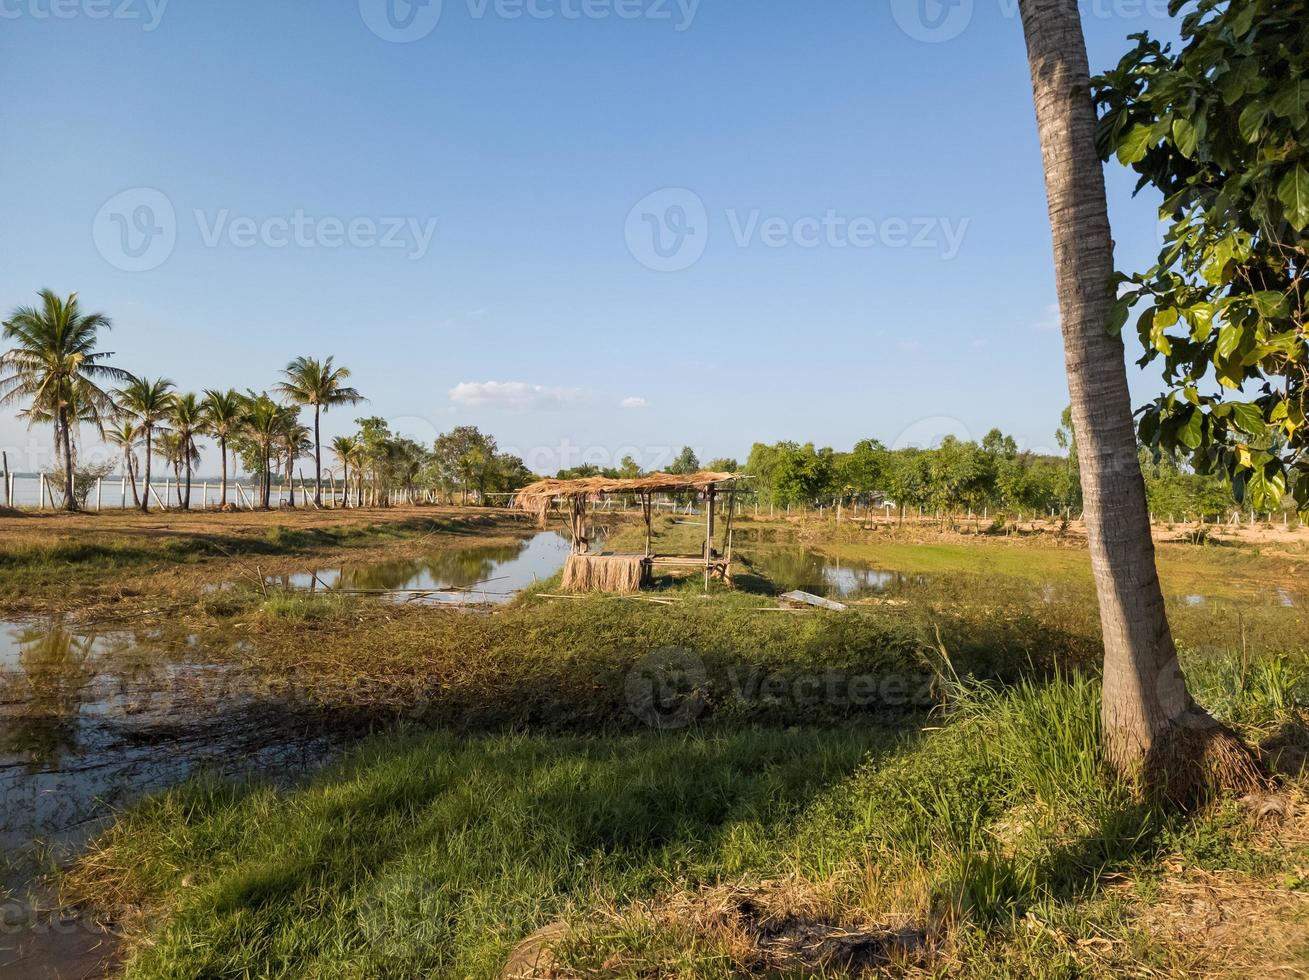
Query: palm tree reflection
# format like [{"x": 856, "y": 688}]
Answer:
[{"x": 45, "y": 692}]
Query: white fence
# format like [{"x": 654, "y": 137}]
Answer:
[{"x": 116, "y": 493}]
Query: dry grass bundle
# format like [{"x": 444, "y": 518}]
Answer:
[
  {"x": 621, "y": 574},
  {"x": 535, "y": 498}
]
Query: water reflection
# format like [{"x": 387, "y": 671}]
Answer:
[
  {"x": 488, "y": 573},
  {"x": 811, "y": 571},
  {"x": 45, "y": 671}
]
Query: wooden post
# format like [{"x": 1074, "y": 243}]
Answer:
[
  {"x": 727, "y": 557},
  {"x": 122, "y": 492},
  {"x": 99, "y": 490},
  {"x": 41, "y": 498},
  {"x": 709, "y": 538},
  {"x": 646, "y": 506},
  {"x": 8, "y": 493}
]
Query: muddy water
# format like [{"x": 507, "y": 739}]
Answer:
[{"x": 90, "y": 722}]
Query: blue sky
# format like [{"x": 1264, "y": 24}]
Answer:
[{"x": 848, "y": 199}]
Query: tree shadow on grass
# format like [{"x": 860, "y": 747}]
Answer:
[{"x": 435, "y": 854}]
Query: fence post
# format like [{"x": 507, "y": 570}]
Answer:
[
  {"x": 99, "y": 492},
  {"x": 41, "y": 498},
  {"x": 8, "y": 492}
]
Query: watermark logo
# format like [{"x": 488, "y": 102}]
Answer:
[
  {"x": 401, "y": 21},
  {"x": 666, "y": 690},
  {"x": 932, "y": 21},
  {"x": 136, "y": 230},
  {"x": 148, "y": 12},
  {"x": 668, "y": 231}
]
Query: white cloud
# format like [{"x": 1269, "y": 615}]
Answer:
[
  {"x": 513, "y": 396},
  {"x": 634, "y": 402},
  {"x": 1050, "y": 323}
]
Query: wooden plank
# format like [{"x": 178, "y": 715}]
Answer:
[{"x": 809, "y": 599}]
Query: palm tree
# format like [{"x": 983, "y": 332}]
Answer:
[
  {"x": 346, "y": 449},
  {"x": 295, "y": 445},
  {"x": 187, "y": 417},
  {"x": 320, "y": 384},
  {"x": 172, "y": 449},
  {"x": 54, "y": 362},
  {"x": 265, "y": 422},
  {"x": 123, "y": 434},
  {"x": 149, "y": 403},
  {"x": 224, "y": 413},
  {"x": 1152, "y": 729}
]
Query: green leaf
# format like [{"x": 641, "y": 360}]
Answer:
[
  {"x": 1248, "y": 418},
  {"x": 1265, "y": 486},
  {"x": 1185, "y": 136},
  {"x": 1290, "y": 101},
  {"x": 1135, "y": 144},
  {"x": 1243, "y": 21},
  {"x": 1269, "y": 303},
  {"x": 1229, "y": 339},
  {"x": 1191, "y": 432},
  {"x": 1293, "y": 192},
  {"x": 1201, "y": 318},
  {"x": 1251, "y": 121}
]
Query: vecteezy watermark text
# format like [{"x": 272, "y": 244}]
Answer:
[
  {"x": 670, "y": 688},
  {"x": 406, "y": 21},
  {"x": 137, "y": 230},
  {"x": 669, "y": 230},
  {"x": 302, "y": 230},
  {"x": 148, "y": 12}
]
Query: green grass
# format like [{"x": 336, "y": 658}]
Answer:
[
  {"x": 427, "y": 854},
  {"x": 102, "y": 555}
]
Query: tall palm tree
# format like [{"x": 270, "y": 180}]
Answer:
[
  {"x": 224, "y": 414},
  {"x": 346, "y": 449},
  {"x": 124, "y": 434},
  {"x": 54, "y": 362},
  {"x": 148, "y": 402},
  {"x": 1152, "y": 729},
  {"x": 310, "y": 381},
  {"x": 187, "y": 418}
]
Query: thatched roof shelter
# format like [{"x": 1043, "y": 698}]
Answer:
[
  {"x": 537, "y": 497},
  {"x": 620, "y": 573}
]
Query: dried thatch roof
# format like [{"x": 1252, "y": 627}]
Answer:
[{"x": 536, "y": 497}]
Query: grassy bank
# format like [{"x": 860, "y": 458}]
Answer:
[
  {"x": 989, "y": 843},
  {"x": 59, "y": 562}
]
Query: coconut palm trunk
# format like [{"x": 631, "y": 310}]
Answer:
[
  {"x": 145, "y": 489},
  {"x": 70, "y": 501},
  {"x": 318, "y": 458},
  {"x": 222, "y": 455},
  {"x": 1152, "y": 729},
  {"x": 129, "y": 468}
]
